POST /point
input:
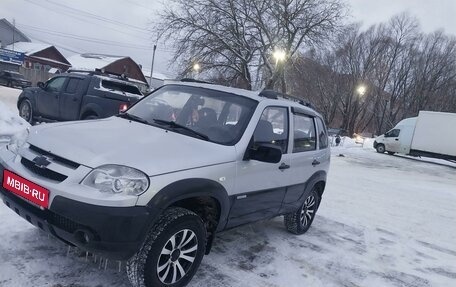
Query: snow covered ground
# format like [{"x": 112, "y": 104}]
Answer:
[
  {"x": 10, "y": 122},
  {"x": 383, "y": 221}
]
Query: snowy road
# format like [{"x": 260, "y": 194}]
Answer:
[{"x": 384, "y": 221}]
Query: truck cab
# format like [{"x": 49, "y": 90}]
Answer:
[{"x": 398, "y": 139}]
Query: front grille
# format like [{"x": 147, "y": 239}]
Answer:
[
  {"x": 55, "y": 158},
  {"x": 64, "y": 223},
  {"x": 44, "y": 172}
]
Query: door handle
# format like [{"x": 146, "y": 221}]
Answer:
[
  {"x": 75, "y": 99},
  {"x": 396, "y": 139},
  {"x": 284, "y": 166},
  {"x": 315, "y": 162}
]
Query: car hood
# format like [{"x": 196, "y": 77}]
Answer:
[{"x": 115, "y": 140}]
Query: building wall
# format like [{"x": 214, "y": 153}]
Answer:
[
  {"x": 128, "y": 67},
  {"x": 6, "y": 34},
  {"x": 51, "y": 53}
]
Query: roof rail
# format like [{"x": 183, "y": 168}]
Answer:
[
  {"x": 190, "y": 80},
  {"x": 100, "y": 72},
  {"x": 270, "y": 94}
]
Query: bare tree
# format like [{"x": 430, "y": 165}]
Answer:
[{"x": 235, "y": 38}]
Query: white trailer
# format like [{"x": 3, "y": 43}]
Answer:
[{"x": 431, "y": 134}]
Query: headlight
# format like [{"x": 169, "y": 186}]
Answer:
[
  {"x": 18, "y": 140},
  {"x": 117, "y": 179}
]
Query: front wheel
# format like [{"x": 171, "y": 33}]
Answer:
[
  {"x": 26, "y": 111},
  {"x": 380, "y": 148},
  {"x": 172, "y": 251},
  {"x": 299, "y": 222}
]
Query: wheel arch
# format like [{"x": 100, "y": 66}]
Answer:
[
  {"x": 317, "y": 180},
  {"x": 205, "y": 197},
  {"x": 91, "y": 109}
]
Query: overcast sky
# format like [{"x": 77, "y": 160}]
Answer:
[{"x": 122, "y": 27}]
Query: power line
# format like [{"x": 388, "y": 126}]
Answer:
[
  {"x": 139, "y": 5},
  {"x": 44, "y": 30},
  {"x": 95, "y": 16},
  {"x": 91, "y": 39},
  {"x": 85, "y": 20}
]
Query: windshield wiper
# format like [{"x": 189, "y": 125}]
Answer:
[
  {"x": 133, "y": 118},
  {"x": 175, "y": 125}
]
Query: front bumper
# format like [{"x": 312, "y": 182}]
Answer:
[
  {"x": 113, "y": 232},
  {"x": 375, "y": 144}
]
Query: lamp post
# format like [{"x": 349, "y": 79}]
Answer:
[
  {"x": 361, "y": 90},
  {"x": 280, "y": 56},
  {"x": 196, "y": 68}
]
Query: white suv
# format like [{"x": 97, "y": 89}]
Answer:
[{"x": 153, "y": 185}]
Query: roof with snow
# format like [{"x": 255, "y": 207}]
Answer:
[
  {"x": 156, "y": 75},
  {"x": 28, "y": 48},
  {"x": 92, "y": 61}
]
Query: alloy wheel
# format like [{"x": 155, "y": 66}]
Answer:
[
  {"x": 308, "y": 210},
  {"x": 177, "y": 256}
]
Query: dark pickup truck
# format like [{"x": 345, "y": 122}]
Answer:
[{"x": 77, "y": 95}]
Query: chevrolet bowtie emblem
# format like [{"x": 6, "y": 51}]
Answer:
[{"x": 41, "y": 161}]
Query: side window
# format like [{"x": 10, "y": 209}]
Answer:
[
  {"x": 234, "y": 113},
  {"x": 273, "y": 128},
  {"x": 393, "y": 133},
  {"x": 55, "y": 85},
  {"x": 322, "y": 134},
  {"x": 72, "y": 86},
  {"x": 304, "y": 133}
]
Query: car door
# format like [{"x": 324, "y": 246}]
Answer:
[
  {"x": 70, "y": 99},
  {"x": 261, "y": 186},
  {"x": 392, "y": 142},
  {"x": 48, "y": 98},
  {"x": 305, "y": 156}
]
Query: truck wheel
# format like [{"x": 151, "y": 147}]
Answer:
[
  {"x": 90, "y": 117},
  {"x": 172, "y": 251},
  {"x": 299, "y": 221},
  {"x": 26, "y": 111},
  {"x": 380, "y": 148}
]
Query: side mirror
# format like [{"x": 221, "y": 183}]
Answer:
[
  {"x": 266, "y": 153},
  {"x": 41, "y": 85}
]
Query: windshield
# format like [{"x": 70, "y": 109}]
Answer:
[{"x": 220, "y": 116}]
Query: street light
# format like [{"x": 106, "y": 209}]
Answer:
[
  {"x": 279, "y": 55},
  {"x": 196, "y": 67},
  {"x": 361, "y": 90}
]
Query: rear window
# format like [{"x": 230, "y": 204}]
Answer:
[{"x": 120, "y": 87}]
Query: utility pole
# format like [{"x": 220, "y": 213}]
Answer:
[
  {"x": 14, "y": 31},
  {"x": 152, "y": 68}
]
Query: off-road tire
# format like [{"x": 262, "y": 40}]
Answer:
[
  {"x": 91, "y": 117},
  {"x": 294, "y": 223},
  {"x": 380, "y": 148},
  {"x": 25, "y": 104},
  {"x": 142, "y": 268}
]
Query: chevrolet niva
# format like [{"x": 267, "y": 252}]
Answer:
[{"x": 153, "y": 185}]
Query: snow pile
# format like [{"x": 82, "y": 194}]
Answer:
[{"x": 10, "y": 123}]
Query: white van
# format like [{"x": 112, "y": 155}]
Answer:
[{"x": 426, "y": 135}]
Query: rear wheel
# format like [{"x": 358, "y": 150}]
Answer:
[
  {"x": 172, "y": 252},
  {"x": 380, "y": 148},
  {"x": 300, "y": 221},
  {"x": 90, "y": 117},
  {"x": 26, "y": 111}
]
